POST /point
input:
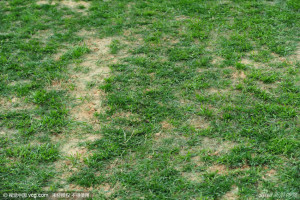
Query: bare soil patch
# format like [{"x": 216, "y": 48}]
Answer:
[
  {"x": 232, "y": 194},
  {"x": 215, "y": 146},
  {"x": 199, "y": 122},
  {"x": 219, "y": 169}
]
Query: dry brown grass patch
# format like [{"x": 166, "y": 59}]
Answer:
[
  {"x": 232, "y": 194},
  {"x": 20, "y": 82},
  {"x": 74, "y": 4},
  {"x": 107, "y": 190},
  {"x": 199, "y": 122},
  {"x": 270, "y": 175},
  {"x": 166, "y": 125},
  {"x": 84, "y": 111},
  {"x": 215, "y": 146},
  {"x": 67, "y": 3},
  {"x": 197, "y": 160},
  {"x": 58, "y": 55},
  {"x": 42, "y": 34},
  {"x": 239, "y": 75},
  {"x": 217, "y": 60},
  {"x": 219, "y": 169},
  {"x": 44, "y": 2},
  {"x": 15, "y": 103},
  {"x": 217, "y": 91},
  {"x": 255, "y": 65},
  {"x": 181, "y": 18},
  {"x": 7, "y": 132},
  {"x": 192, "y": 176}
]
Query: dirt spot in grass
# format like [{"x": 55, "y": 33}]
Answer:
[
  {"x": 252, "y": 63},
  {"x": 215, "y": 146},
  {"x": 78, "y": 152},
  {"x": 86, "y": 110},
  {"x": 98, "y": 46},
  {"x": 79, "y": 6},
  {"x": 59, "y": 85},
  {"x": 272, "y": 172},
  {"x": 192, "y": 176},
  {"x": 106, "y": 189},
  {"x": 73, "y": 187},
  {"x": 296, "y": 56},
  {"x": 65, "y": 170},
  {"x": 243, "y": 168},
  {"x": 160, "y": 136},
  {"x": 3, "y": 132},
  {"x": 212, "y": 146},
  {"x": 219, "y": 169},
  {"x": 217, "y": 91},
  {"x": 101, "y": 72},
  {"x": 181, "y": 18},
  {"x": 74, "y": 4},
  {"x": 7, "y": 132},
  {"x": 44, "y": 2},
  {"x": 270, "y": 175},
  {"x": 239, "y": 75},
  {"x": 197, "y": 160},
  {"x": 246, "y": 61},
  {"x": 268, "y": 87},
  {"x": 15, "y": 103},
  {"x": 72, "y": 148},
  {"x": 92, "y": 138},
  {"x": 67, "y": 3},
  {"x": 217, "y": 60},
  {"x": 157, "y": 135},
  {"x": 86, "y": 33},
  {"x": 124, "y": 115},
  {"x": 58, "y": 55},
  {"x": 89, "y": 99},
  {"x": 232, "y": 194},
  {"x": 42, "y": 35},
  {"x": 19, "y": 82},
  {"x": 199, "y": 122},
  {"x": 166, "y": 125},
  {"x": 279, "y": 58},
  {"x": 297, "y": 53}
]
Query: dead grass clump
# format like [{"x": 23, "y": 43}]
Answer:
[
  {"x": 197, "y": 160},
  {"x": 215, "y": 146},
  {"x": 232, "y": 194},
  {"x": 181, "y": 18},
  {"x": 92, "y": 98},
  {"x": 74, "y": 4},
  {"x": 219, "y": 169},
  {"x": 255, "y": 65},
  {"x": 7, "y": 132},
  {"x": 239, "y": 75},
  {"x": 199, "y": 122},
  {"x": 217, "y": 91},
  {"x": 217, "y": 60},
  {"x": 15, "y": 103},
  {"x": 270, "y": 175},
  {"x": 78, "y": 6},
  {"x": 166, "y": 125},
  {"x": 192, "y": 176}
]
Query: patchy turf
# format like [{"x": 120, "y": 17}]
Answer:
[{"x": 168, "y": 99}]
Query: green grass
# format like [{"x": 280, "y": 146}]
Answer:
[{"x": 202, "y": 98}]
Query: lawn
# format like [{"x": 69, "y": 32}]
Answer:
[{"x": 156, "y": 99}]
